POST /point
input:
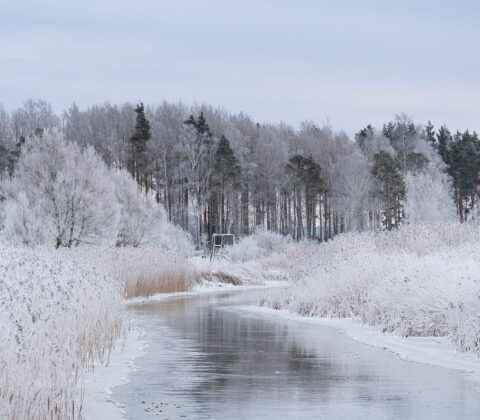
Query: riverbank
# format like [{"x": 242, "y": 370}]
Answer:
[
  {"x": 417, "y": 281},
  {"x": 433, "y": 351},
  {"x": 208, "y": 356},
  {"x": 99, "y": 381}
]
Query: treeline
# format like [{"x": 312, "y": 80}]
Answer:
[{"x": 218, "y": 172}]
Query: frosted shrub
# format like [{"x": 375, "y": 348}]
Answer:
[
  {"x": 428, "y": 198},
  {"x": 143, "y": 222},
  {"x": 413, "y": 282},
  {"x": 60, "y": 195},
  {"x": 64, "y": 196},
  {"x": 258, "y": 245}
]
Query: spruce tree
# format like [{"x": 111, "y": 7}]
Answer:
[
  {"x": 416, "y": 162},
  {"x": 139, "y": 146}
]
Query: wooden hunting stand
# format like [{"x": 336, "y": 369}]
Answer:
[{"x": 219, "y": 242}]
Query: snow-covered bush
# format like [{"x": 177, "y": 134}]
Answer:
[
  {"x": 58, "y": 315},
  {"x": 65, "y": 196},
  {"x": 137, "y": 216},
  {"x": 143, "y": 222},
  {"x": 60, "y": 195},
  {"x": 260, "y": 244},
  {"x": 428, "y": 197},
  {"x": 421, "y": 281}
]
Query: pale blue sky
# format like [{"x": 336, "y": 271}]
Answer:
[{"x": 355, "y": 62}]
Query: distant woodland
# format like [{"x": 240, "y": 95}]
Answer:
[{"x": 216, "y": 172}]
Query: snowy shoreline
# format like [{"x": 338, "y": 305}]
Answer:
[
  {"x": 99, "y": 383},
  {"x": 434, "y": 351},
  {"x": 98, "y": 402}
]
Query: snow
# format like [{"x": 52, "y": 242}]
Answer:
[{"x": 98, "y": 402}]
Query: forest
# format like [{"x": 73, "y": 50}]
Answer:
[{"x": 215, "y": 172}]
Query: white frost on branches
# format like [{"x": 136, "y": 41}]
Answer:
[{"x": 64, "y": 195}]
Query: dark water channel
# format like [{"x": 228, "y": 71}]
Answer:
[{"x": 209, "y": 359}]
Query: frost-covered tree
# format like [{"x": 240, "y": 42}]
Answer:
[
  {"x": 60, "y": 194},
  {"x": 390, "y": 188},
  {"x": 428, "y": 198},
  {"x": 403, "y": 136},
  {"x": 32, "y": 117}
]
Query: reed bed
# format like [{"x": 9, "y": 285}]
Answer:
[
  {"x": 416, "y": 281},
  {"x": 58, "y": 317},
  {"x": 61, "y": 312}
]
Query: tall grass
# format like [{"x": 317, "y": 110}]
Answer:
[
  {"x": 61, "y": 311},
  {"x": 147, "y": 281},
  {"x": 58, "y": 316},
  {"x": 145, "y": 271},
  {"x": 416, "y": 281}
]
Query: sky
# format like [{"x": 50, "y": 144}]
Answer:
[{"x": 347, "y": 62}]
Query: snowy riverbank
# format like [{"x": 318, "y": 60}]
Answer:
[
  {"x": 420, "y": 281},
  {"x": 99, "y": 382},
  {"x": 98, "y": 402},
  {"x": 434, "y": 351}
]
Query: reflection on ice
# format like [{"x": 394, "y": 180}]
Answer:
[{"x": 207, "y": 359}]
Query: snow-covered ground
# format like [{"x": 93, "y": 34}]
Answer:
[{"x": 98, "y": 383}]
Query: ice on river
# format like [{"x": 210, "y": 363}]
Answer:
[{"x": 208, "y": 357}]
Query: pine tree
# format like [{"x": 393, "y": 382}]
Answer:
[
  {"x": 306, "y": 174},
  {"x": 138, "y": 142},
  {"x": 416, "y": 162},
  {"x": 444, "y": 140},
  {"x": 364, "y": 135},
  {"x": 463, "y": 167},
  {"x": 4, "y": 159},
  {"x": 227, "y": 181},
  {"x": 430, "y": 132},
  {"x": 226, "y": 166},
  {"x": 390, "y": 188}
]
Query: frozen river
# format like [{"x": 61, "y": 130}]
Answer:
[{"x": 207, "y": 358}]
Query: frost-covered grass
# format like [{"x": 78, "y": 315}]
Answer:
[
  {"x": 58, "y": 315},
  {"x": 150, "y": 271},
  {"x": 260, "y": 244},
  {"x": 417, "y": 281},
  {"x": 61, "y": 311}
]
